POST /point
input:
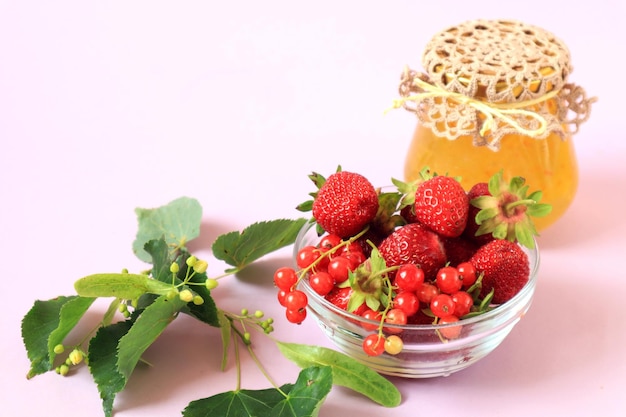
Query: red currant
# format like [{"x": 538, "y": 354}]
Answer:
[
  {"x": 467, "y": 273},
  {"x": 281, "y": 297},
  {"x": 328, "y": 242},
  {"x": 296, "y": 316},
  {"x": 409, "y": 277},
  {"x": 285, "y": 278},
  {"x": 395, "y": 316},
  {"x": 355, "y": 258},
  {"x": 306, "y": 256},
  {"x": 370, "y": 314},
  {"x": 296, "y": 300},
  {"x": 448, "y": 280},
  {"x": 407, "y": 301},
  {"x": 450, "y": 332},
  {"x": 321, "y": 282},
  {"x": 463, "y": 303},
  {"x": 339, "y": 268},
  {"x": 374, "y": 344},
  {"x": 427, "y": 292},
  {"x": 442, "y": 306}
]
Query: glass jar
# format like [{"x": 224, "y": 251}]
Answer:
[{"x": 495, "y": 97}]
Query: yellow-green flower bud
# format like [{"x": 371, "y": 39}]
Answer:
[
  {"x": 258, "y": 314},
  {"x": 64, "y": 370},
  {"x": 171, "y": 294},
  {"x": 186, "y": 295},
  {"x": 76, "y": 356},
  {"x": 58, "y": 349},
  {"x": 200, "y": 266},
  {"x": 197, "y": 300},
  {"x": 174, "y": 268},
  {"x": 211, "y": 284},
  {"x": 191, "y": 261}
]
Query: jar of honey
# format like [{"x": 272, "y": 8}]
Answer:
[{"x": 495, "y": 97}]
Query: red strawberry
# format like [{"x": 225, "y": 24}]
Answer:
[
  {"x": 505, "y": 268},
  {"x": 477, "y": 190},
  {"x": 442, "y": 204},
  {"x": 414, "y": 243},
  {"x": 458, "y": 249},
  {"x": 345, "y": 203},
  {"x": 340, "y": 297}
]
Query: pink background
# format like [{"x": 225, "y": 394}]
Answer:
[{"x": 107, "y": 105}]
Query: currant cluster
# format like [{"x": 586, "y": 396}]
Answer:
[
  {"x": 326, "y": 266},
  {"x": 342, "y": 271}
]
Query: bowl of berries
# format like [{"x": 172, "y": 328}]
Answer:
[{"x": 417, "y": 279}]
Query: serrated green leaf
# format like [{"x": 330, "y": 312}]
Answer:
[
  {"x": 178, "y": 222},
  {"x": 307, "y": 395},
  {"x": 145, "y": 330},
  {"x": 347, "y": 371},
  {"x": 120, "y": 285},
  {"x": 241, "y": 403},
  {"x": 103, "y": 363},
  {"x": 259, "y": 239},
  {"x": 47, "y": 324}
]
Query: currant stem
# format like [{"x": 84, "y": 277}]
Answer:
[{"x": 302, "y": 273}]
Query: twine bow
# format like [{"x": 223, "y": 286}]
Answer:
[{"x": 506, "y": 112}]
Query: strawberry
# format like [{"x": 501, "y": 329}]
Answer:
[
  {"x": 506, "y": 211},
  {"x": 340, "y": 297},
  {"x": 477, "y": 190},
  {"x": 458, "y": 249},
  {"x": 442, "y": 204},
  {"x": 505, "y": 269},
  {"x": 414, "y": 243},
  {"x": 345, "y": 203}
]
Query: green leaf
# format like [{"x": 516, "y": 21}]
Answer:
[
  {"x": 178, "y": 222},
  {"x": 226, "y": 332},
  {"x": 103, "y": 363},
  {"x": 120, "y": 285},
  {"x": 259, "y": 239},
  {"x": 241, "y": 403},
  {"x": 46, "y": 325},
  {"x": 150, "y": 324},
  {"x": 347, "y": 372},
  {"x": 307, "y": 395},
  {"x": 162, "y": 260}
]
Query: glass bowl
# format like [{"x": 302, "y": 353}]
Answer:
[{"x": 425, "y": 354}]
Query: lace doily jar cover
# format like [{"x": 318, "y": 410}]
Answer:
[{"x": 495, "y": 96}]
